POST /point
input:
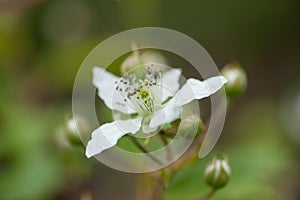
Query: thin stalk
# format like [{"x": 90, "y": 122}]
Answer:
[
  {"x": 165, "y": 142},
  {"x": 144, "y": 150},
  {"x": 208, "y": 195}
]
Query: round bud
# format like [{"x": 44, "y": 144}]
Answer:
[
  {"x": 236, "y": 77},
  {"x": 139, "y": 58},
  {"x": 217, "y": 173},
  {"x": 191, "y": 126},
  {"x": 130, "y": 62},
  {"x": 72, "y": 128},
  {"x": 152, "y": 56}
]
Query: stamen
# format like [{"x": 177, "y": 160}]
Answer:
[{"x": 139, "y": 93}]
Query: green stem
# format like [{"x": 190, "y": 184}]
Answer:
[
  {"x": 208, "y": 195},
  {"x": 144, "y": 150},
  {"x": 150, "y": 188},
  {"x": 165, "y": 142}
]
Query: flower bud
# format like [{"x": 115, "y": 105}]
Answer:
[
  {"x": 217, "y": 172},
  {"x": 138, "y": 58},
  {"x": 152, "y": 56},
  {"x": 130, "y": 62},
  {"x": 236, "y": 77},
  {"x": 72, "y": 129},
  {"x": 191, "y": 126}
]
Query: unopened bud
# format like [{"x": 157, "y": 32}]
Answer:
[
  {"x": 139, "y": 58},
  {"x": 131, "y": 62},
  {"x": 73, "y": 128},
  {"x": 191, "y": 126},
  {"x": 152, "y": 56},
  {"x": 236, "y": 77},
  {"x": 217, "y": 172}
]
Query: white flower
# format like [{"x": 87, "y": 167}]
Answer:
[{"x": 147, "y": 98}]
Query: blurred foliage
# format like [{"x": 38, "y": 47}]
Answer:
[
  {"x": 29, "y": 170},
  {"x": 258, "y": 160},
  {"x": 42, "y": 46}
]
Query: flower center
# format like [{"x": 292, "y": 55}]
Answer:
[
  {"x": 141, "y": 94},
  {"x": 144, "y": 94}
]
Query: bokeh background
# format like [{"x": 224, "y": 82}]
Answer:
[{"x": 43, "y": 42}]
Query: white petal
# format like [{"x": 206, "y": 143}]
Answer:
[
  {"x": 218, "y": 169},
  {"x": 226, "y": 167},
  {"x": 193, "y": 89},
  {"x": 170, "y": 83},
  {"x": 196, "y": 89},
  {"x": 105, "y": 82},
  {"x": 107, "y": 135},
  {"x": 170, "y": 112}
]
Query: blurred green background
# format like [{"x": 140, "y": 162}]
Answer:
[{"x": 43, "y": 42}]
